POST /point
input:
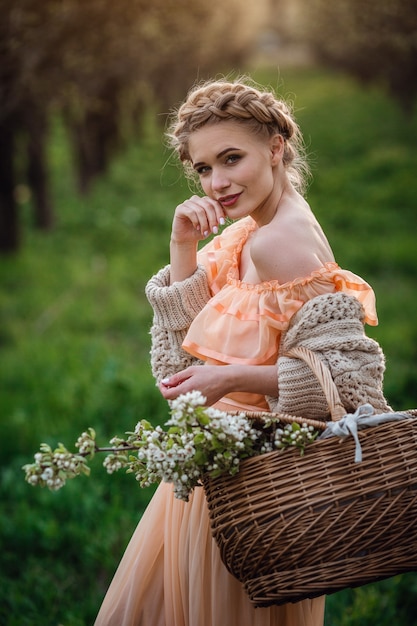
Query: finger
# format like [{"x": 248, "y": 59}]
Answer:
[
  {"x": 172, "y": 392},
  {"x": 206, "y": 214},
  {"x": 204, "y": 218},
  {"x": 176, "y": 379},
  {"x": 194, "y": 212},
  {"x": 169, "y": 394},
  {"x": 215, "y": 215}
]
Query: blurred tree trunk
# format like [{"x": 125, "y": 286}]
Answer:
[
  {"x": 139, "y": 52},
  {"x": 37, "y": 167},
  {"x": 90, "y": 159},
  {"x": 376, "y": 42},
  {"x": 96, "y": 137},
  {"x": 9, "y": 222}
]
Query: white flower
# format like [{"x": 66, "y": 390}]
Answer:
[
  {"x": 47, "y": 474},
  {"x": 199, "y": 439}
]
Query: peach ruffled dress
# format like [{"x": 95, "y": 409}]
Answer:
[{"x": 171, "y": 573}]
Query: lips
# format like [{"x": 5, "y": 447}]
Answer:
[{"x": 230, "y": 200}]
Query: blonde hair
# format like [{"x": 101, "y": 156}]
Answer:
[{"x": 241, "y": 101}]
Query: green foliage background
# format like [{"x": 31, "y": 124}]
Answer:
[{"x": 74, "y": 337}]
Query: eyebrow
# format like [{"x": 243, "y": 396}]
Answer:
[{"x": 218, "y": 156}]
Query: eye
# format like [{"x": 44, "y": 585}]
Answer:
[
  {"x": 232, "y": 158},
  {"x": 202, "y": 169}
]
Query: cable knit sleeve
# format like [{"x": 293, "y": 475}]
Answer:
[
  {"x": 332, "y": 326},
  {"x": 175, "y": 306}
]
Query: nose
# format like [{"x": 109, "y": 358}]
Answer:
[{"x": 219, "y": 180}]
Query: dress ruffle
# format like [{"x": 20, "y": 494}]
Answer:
[{"x": 243, "y": 322}]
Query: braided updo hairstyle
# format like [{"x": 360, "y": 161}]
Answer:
[{"x": 240, "y": 101}]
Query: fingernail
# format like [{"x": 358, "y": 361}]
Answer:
[
  {"x": 164, "y": 381},
  {"x": 206, "y": 232},
  {"x": 222, "y": 221},
  {"x": 215, "y": 230}
]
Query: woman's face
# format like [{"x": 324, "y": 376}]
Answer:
[{"x": 238, "y": 168}]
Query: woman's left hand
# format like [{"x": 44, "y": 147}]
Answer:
[{"x": 212, "y": 381}]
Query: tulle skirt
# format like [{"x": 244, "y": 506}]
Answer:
[{"x": 171, "y": 575}]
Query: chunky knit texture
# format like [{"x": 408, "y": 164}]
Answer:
[
  {"x": 175, "y": 306},
  {"x": 331, "y": 325}
]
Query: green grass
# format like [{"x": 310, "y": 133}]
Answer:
[{"x": 74, "y": 336}]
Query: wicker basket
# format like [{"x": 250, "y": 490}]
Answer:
[{"x": 291, "y": 527}]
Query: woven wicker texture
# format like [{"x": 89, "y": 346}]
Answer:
[{"x": 292, "y": 527}]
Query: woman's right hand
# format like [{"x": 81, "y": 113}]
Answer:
[{"x": 195, "y": 219}]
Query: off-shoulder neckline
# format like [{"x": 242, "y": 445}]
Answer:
[{"x": 233, "y": 273}]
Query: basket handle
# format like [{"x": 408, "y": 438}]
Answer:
[{"x": 322, "y": 372}]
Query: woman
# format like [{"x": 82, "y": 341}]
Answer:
[{"x": 232, "y": 304}]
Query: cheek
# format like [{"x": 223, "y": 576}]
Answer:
[
  {"x": 253, "y": 172},
  {"x": 205, "y": 185}
]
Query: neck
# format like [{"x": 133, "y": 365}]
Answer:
[{"x": 269, "y": 209}]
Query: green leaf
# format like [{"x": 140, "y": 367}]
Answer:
[
  {"x": 200, "y": 458},
  {"x": 204, "y": 419}
]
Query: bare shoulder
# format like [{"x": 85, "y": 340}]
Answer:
[{"x": 290, "y": 247}]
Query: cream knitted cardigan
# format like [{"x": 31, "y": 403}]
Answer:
[
  {"x": 331, "y": 325},
  {"x": 174, "y": 306}
]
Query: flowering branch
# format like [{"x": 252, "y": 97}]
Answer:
[{"x": 198, "y": 440}]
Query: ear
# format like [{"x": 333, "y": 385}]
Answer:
[{"x": 277, "y": 148}]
